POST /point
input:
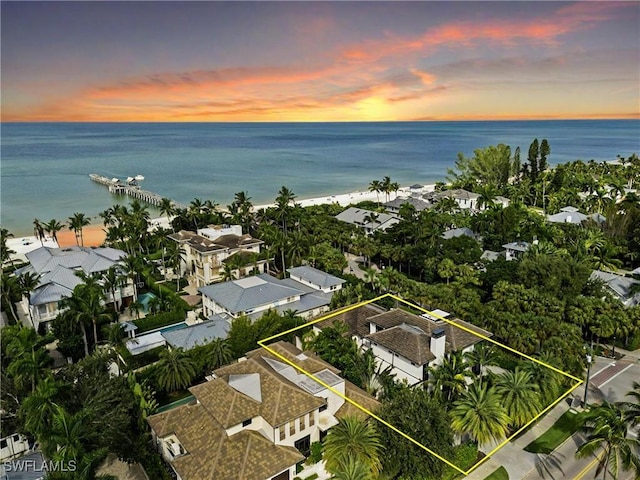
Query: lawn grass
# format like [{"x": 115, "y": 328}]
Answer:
[
  {"x": 565, "y": 426},
  {"x": 499, "y": 474}
]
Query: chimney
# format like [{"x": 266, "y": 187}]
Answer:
[
  {"x": 372, "y": 327},
  {"x": 437, "y": 344}
]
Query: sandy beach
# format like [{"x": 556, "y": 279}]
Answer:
[{"x": 94, "y": 234}]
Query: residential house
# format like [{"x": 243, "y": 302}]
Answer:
[
  {"x": 465, "y": 200},
  {"x": 625, "y": 289},
  {"x": 418, "y": 203},
  {"x": 255, "y": 419},
  {"x": 459, "y": 232},
  {"x": 57, "y": 268},
  {"x": 407, "y": 343},
  {"x": 308, "y": 292},
  {"x": 572, "y": 215},
  {"x": 368, "y": 220},
  {"x": 208, "y": 250},
  {"x": 515, "y": 250}
]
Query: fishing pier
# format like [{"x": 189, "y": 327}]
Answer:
[{"x": 132, "y": 189}]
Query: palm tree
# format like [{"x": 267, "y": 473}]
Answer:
[
  {"x": 112, "y": 280},
  {"x": 376, "y": 186},
  {"x": 39, "y": 407},
  {"x": 219, "y": 353},
  {"x": 28, "y": 282},
  {"x": 30, "y": 367},
  {"x": 134, "y": 309},
  {"x": 227, "y": 273},
  {"x": 167, "y": 208},
  {"x": 5, "y": 252},
  {"x": 488, "y": 194},
  {"x": 547, "y": 380},
  {"x": 53, "y": 227},
  {"x": 632, "y": 409},
  {"x": 283, "y": 205},
  {"x": 10, "y": 291},
  {"x": 447, "y": 269},
  {"x": 353, "y": 469},
  {"x": 38, "y": 230},
  {"x": 353, "y": 438},
  {"x": 371, "y": 218},
  {"x": 386, "y": 186},
  {"x": 77, "y": 223},
  {"x": 83, "y": 306},
  {"x": 606, "y": 429},
  {"x": 371, "y": 277},
  {"x": 479, "y": 413},
  {"x": 481, "y": 356},
  {"x": 176, "y": 369},
  {"x": 68, "y": 436},
  {"x": 449, "y": 378},
  {"x": 520, "y": 396}
]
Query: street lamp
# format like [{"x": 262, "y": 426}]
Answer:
[{"x": 586, "y": 385}]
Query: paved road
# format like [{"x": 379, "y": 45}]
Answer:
[{"x": 610, "y": 380}]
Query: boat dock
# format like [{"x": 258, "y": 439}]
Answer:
[{"x": 132, "y": 189}]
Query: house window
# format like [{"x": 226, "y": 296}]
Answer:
[
  {"x": 3, "y": 443},
  {"x": 246, "y": 422},
  {"x": 282, "y": 432},
  {"x": 304, "y": 445},
  {"x": 303, "y": 422},
  {"x": 322, "y": 408},
  {"x": 311, "y": 419},
  {"x": 292, "y": 428}
]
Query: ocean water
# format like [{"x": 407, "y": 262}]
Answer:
[{"x": 45, "y": 167}]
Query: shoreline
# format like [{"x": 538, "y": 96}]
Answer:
[{"x": 94, "y": 234}]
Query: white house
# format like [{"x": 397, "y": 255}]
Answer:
[
  {"x": 515, "y": 250},
  {"x": 57, "y": 268},
  {"x": 407, "y": 343},
  {"x": 368, "y": 220},
  {"x": 308, "y": 292},
  {"x": 208, "y": 250},
  {"x": 619, "y": 286},
  {"x": 256, "y": 419}
]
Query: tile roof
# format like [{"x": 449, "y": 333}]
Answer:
[
  {"x": 358, "y": 321},
  {"x": 315, "y": 276},
  {"x": 408, "y": 341},
  {"x": 212, "y": 455},
  {"x": 418, "y": 203}
]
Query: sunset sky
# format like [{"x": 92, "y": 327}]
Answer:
[{"x": 319, "y": 61}]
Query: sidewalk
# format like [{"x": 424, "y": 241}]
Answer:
[{"x": 512, "y": 456}]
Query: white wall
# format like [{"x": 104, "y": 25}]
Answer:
[
  {"x": 402, "y": 367},
  {"x": 16, "y": 445}
]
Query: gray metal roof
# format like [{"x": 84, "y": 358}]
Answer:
[
  {"x": 198, "y": 334},
  {"x": 306, "y": 303},
  {"x": 48, "y": 294},
  {"x": 248, "y": 293},
  {"x": 356, "y": 216},
  {"x": 567, "y": 217},
  {"x": 315, "y": 276},
  {"x": 458, "y": 232},
  {"x": 619, "y": 285},
  {"x": 418, "y": 203},
  {"x": 517, "y": 246}
]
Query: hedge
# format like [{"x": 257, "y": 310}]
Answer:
[
  {"x": 159, "y": 320},
  {"x": 164, "y": 292}
]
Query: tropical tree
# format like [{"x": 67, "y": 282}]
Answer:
[
  {"x": 218, "y": 353},
  {"x": 480, "y": 414},
  {"x": 481, "y": 356},
  {"x": 167, "y": 208},
  {"x": 353, "y": 469},
  {"x": 606, "y": 428},
  {"x": 5, "y": 252},
  {"x": 449, "y": 378},
  {"x": 176, "y": 370},
  {"x": 353, "y": 438},
  {"x": 520, "y": 396},
  {"x": 28, "y": 282},
  {"x": 632, "y": 409},
  {"x": 52, "y": 228},
  {"x": 38, "y": 230},
  {"x": 376, "y": 186},
  {"x": 38, "y": 409},
  {"x": 30, "y": 367},
  {"x": 83, "y": 306},
  {"x": 76, "y": 223}
]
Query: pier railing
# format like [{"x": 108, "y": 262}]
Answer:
[{"x": 132, "y": 190}]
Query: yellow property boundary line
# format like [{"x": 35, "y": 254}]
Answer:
[{"x": 579, "y": 381}]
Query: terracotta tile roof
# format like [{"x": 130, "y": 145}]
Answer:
[{"x": 212, "y": 455}]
